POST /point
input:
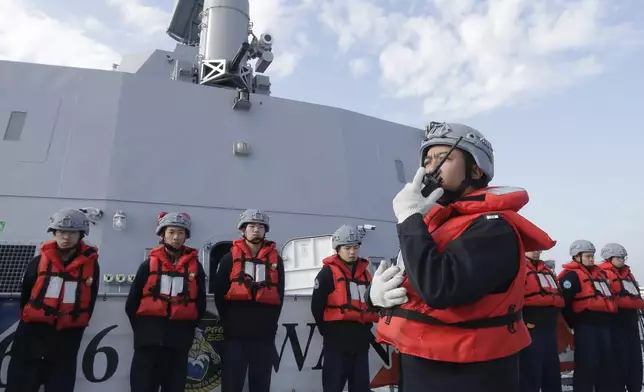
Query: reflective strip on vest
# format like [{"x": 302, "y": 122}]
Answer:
[
  {"x": 357, "y": 292},
  {"x": 547, "y": 281},
  {"x": 602, "y": 288},
  {"x": 58, "y": 284},
  {"x": 171, "y": 286},
  {"x": 630, "y": 287},
  {"x": 257, "y": 271}
]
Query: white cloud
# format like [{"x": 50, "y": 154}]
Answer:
[
  {"x": 359, "y": 22},
  {"x": 287, "y": 21},
  {"x": 148, "y": 20},
  {"x": 44, "y": 39},
  {"x": 456, "y": 57},
  {"x": 284, "y": 19},
  {"x": 90, "y": 23},
  {"x": 26, "y": 34},
  {"x": 468, "y": 56},
  {"x": 359, "y": 67}
]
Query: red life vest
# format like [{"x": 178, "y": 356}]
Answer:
[
  {"x": 62, "y": 296},
  {"x": 254, "y": 278},
  {"x": 623, "y": 286},
  {"x": 541, "y": 288},
  {"x": 347, "y": 300},
  {"x": 171, "y": 289},
  {"x": 595, "y": 294},
  {"x": 487, "y": 329}
]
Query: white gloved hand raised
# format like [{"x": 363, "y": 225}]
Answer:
[
  {"x": 384, "y": 291},
  {"x": 410, "y": 201}
]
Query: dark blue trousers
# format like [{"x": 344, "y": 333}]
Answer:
[
  {"x": 539, "y": 362},
  {"x": 628, "y": 352},
  {"x": 256, "y": 356},
  {"x": 420, "y": 375},
  {"x": 595, "y": 364},
  {"x": 340, "y": 367}
]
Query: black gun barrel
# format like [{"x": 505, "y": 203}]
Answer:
[{"x": 239, "y": 56}]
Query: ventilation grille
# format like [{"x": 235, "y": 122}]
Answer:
[{"x": 13, "y": 261}]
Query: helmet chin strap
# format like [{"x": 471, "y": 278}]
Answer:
[
  {"x": 451, "y": 196},
  {"x": 256, "y": 240},
  {"x": 170, "y": 248}
]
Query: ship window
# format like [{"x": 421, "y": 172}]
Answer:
[
  {"x": 15, "y": 126},
  {"x": 13, "y": 261},
  {"x": 400, "y": 171}
]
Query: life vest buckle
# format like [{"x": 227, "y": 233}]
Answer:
[
  {"x": 511, "y": 326},
  {"x": 388, "y": 315}
]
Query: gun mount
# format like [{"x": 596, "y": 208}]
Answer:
[{"x": 221, "y": 29}]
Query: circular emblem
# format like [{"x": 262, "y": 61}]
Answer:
[
  {"x": 566, "y": 284},
  {"x": 191, "y": 277},
  {"x": 204, "y": 362},
  {"x": 316, "y": 285},
  {"x": 529, "y": 325},
  {"x": 89, "y": 281},
  {"x": 273, "y": 266}
]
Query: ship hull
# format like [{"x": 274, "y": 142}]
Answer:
[{"x": 106, "y": 351}]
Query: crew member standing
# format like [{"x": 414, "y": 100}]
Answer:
[
  {"x": 57, "y": 301},
  {"x": 461, "y": 329},
  {"x": 627, "y": 346},
  {"x": 342, "y": 316},
  {"x": 165, "y": 304},
  {"x": 539, "y": 362},
  {"x": 589, "y": 311},
  {"x": 249, "y": 294}
]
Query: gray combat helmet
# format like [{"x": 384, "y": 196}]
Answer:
[
  {"x": 613, "y": 250},
  {"x": 69, "y": 219},
  {"x": 580, "y": 246},
  {"x": 446, "y": 134},
  {"x": 254, "y": 216},
  {"x": 345, "y": 235},
  {"x": 176, "y": 219}
]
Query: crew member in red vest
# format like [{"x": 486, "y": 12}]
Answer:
[
  {"x": 627, "y": 345},
  {"x": 165, "y": 304},
  {"x": 589, "y": 311},
  {"x": 539, "y": 362},
  {"x": 461, "y": 329},
  {"x": 249, "y": 294},
  {"x": 342, "y": 316},
  {"x": 57, "y": 300}
]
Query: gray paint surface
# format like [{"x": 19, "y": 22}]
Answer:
[{"x": 143, "y": 143}]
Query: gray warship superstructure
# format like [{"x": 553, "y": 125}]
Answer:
[{"x": 192, "y": 130}]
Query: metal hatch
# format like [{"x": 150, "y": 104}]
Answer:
[{"x": 302, "y": 262}]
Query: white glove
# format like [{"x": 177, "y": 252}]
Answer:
[
  {"x": 384, "y": 291},
  {"x": 410, "y": 201}
]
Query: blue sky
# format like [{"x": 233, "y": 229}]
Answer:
[{"x": 556, "y": 85}]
